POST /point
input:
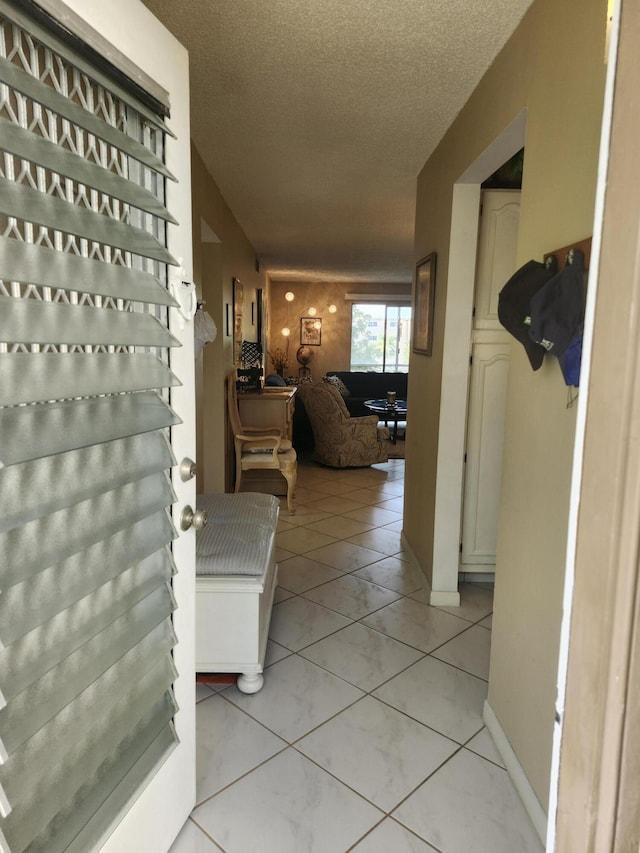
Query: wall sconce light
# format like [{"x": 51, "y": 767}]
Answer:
[{"x": 312, "y": 311}]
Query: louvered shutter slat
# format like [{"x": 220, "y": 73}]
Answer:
[
  {"x": 55, "y": 482},
  {"x": 42, "y": 266},
  {"x": 58, "y": 783},
  {"x": 34, "y": 653},
  {"x": 112, "y": 592},
  {"x": 41, "y": 543},
  {"x": 82, "y": 827},
  {"x": 59, "y": 323},
  {"x": 25, "y": 83},
  {"x": 35, "y": 707},
  {"x": 32, "y": 205},
  {"x": 32, "y": 432},
  {"x": 16, "y": 140},
  {"x": 62, "y": 375},
  {"x": 46, "y": 36}
]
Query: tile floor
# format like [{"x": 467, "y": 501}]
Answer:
[{"x": 368, "y": 732}]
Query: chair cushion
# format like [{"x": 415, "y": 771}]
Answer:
[
  {"x": 286, "y": 459},
  {"x": 285, "y": 445}
]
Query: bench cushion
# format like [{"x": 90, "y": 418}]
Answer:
[{"x": 239, "y": 536}]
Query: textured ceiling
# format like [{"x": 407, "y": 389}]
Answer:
[{"x": 315, "y": 117}]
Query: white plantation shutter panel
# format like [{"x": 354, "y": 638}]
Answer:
[{"x": 86, "y": 638}]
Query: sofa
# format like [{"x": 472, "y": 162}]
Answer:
[
  {"x": 368, "y": 385},
  {"x": 360, "y": 386}
]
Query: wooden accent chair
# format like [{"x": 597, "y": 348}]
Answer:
[{"x": 261, "y": 448}]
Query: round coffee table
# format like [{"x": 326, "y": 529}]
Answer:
[{"x": 389, "y": 412}]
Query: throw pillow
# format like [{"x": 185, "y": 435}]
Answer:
[
  {"x": 274, "y": 380},
  {"x": 300, "y": 380},
  {"x": 337, "y": 383}
]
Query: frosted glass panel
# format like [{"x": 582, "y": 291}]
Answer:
[
  {"x": 43, "y": 647},
  {"x": 28, "y": 377},
  {"x": 42, "y": 543},
  {"x": 54, "y": 482}
]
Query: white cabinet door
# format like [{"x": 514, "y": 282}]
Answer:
[
  {"x": 488, "y": 376},
  {"x": 483, "y": 474},
  {"x": 496, "y": 253}
]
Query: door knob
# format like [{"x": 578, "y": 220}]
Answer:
[
  {"x": 187, "y": 469},
  {"x": 193, "y": 518}
]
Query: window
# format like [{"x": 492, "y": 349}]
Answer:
[{"x": 380, "y": 337}]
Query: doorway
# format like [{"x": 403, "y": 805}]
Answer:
[{"x": 455, "y": 371}]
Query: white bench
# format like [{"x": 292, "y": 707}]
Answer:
[{"x": 236, "y": 576}]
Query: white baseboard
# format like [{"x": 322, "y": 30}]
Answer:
[
  {"x": 477, "y": 577},
  {"x": 444, "y": 599},
  {"x": 513, "y": 767},
  {"x": 436, "y": 598}
]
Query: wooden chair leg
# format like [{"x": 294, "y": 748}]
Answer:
[
  {"x": 238, "y": 475},
  {"x": 290, "y": 475}
]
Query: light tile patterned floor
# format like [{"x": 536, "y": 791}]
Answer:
[{"x": 367, "y": 735}]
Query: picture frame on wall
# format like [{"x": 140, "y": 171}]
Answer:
[
  {"x": 259, "y": 315},
  {"x": 311, "y": 331},
  {"x": 237, "y": 320},
  {"x": 424, "y": 301}
]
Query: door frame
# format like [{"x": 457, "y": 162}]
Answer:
[
  {"x": 595, "y": 794},
  {"x": 455, "y": 360}
]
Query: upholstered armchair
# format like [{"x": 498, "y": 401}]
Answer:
[
  {"x": 261, "y": 447},
  {"x": 340, "y": 440}
]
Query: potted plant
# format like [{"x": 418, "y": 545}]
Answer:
[{"x": 279, "y": 359}]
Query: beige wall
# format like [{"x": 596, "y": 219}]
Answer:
[
  {"x": 335, "y": 350},
  {"x": 554, "y": 67},
  {"x": 224, "y": 254}
]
